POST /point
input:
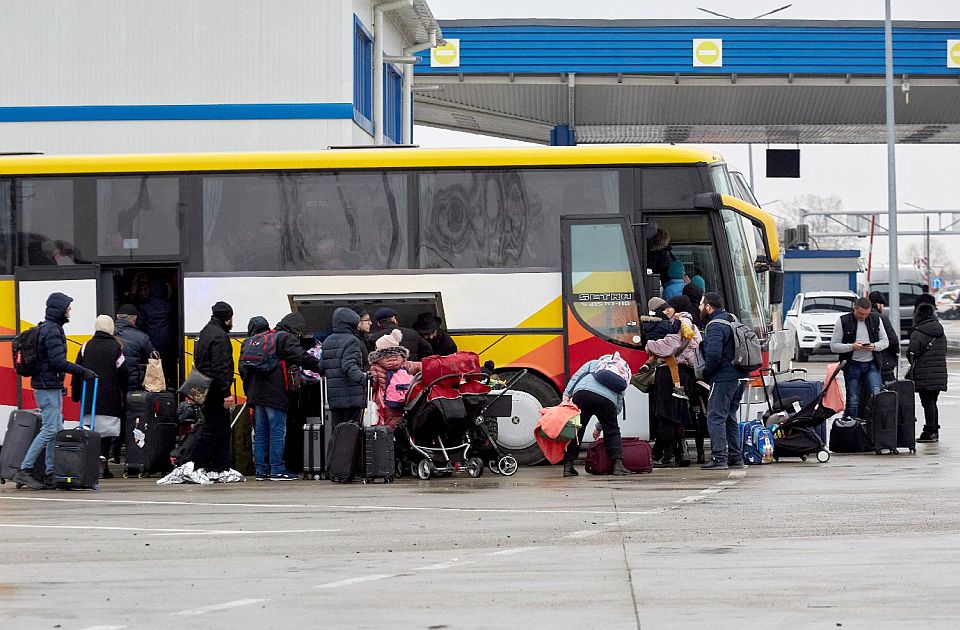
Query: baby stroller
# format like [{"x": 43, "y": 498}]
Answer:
[
  {"x": 443, "y": 422},
  {"x": 794, "y": 432}
]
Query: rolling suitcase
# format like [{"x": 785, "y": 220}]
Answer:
[
  {"x": 316, "y": 432},
  {"x": 379, "y": 461},
  {"x": 637, "y": 457},
  {"x": 344, "y": 452},
  {"x": 882, "y": 421},
  {"x": 906, "y": 415},
  {"x": 22, "y": 427},
  {"x": 849, "y": 436},
  {"x": 76, "y": 452},
  {"x": 151, "y": 432}
]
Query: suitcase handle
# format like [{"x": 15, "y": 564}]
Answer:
[{"x": 93, "y": 403}]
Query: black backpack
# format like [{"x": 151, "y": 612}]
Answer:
[
  {"x": 26, "y": 352},
  {"x": 259, "y": 352}
]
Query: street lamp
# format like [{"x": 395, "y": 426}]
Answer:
[{"x": 894, "y": 277}]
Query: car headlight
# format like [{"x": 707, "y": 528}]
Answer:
[{"x": 808, "y": 328}]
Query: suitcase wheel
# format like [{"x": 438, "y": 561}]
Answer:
[
  {"x": 19, "y": 485},
  {"x": 126, "y": 475}
]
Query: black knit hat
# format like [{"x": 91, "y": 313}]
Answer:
[{"x": 222, "y": 311}]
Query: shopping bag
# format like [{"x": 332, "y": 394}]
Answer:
[{"x": 153, "y": 380}]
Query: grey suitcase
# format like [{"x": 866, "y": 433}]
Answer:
[
  {"x": 316, "y": 437},
  {"x": 22, "y": 427}
]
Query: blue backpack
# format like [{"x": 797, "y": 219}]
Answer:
[{"x": 756, "y": 442}]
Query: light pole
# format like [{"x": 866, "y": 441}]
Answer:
[{"x": 894, "y": 277}]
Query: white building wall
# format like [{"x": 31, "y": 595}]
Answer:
[{"x": 180, "y": 52}]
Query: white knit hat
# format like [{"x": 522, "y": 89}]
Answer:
[
  {"x": 391, "y": 340},
  {"x": 104, "y": 323}
]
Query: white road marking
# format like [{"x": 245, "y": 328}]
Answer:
[
  {"x": 710, "y": 490},
  {"x": 445, "y": 565},
  {"x": 511, "y": 552},
  {"x": 104, "y": 628},
  {"x": 356, "y": 580},
  {"x": 691, "y": 499},
  {"x": 192, "y": 612},
  {"x": 155, "y": 531},
  {"x": 356, "y": 508}
]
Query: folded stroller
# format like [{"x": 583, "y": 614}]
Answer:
[
  {"x": 794, "y": 432},
  {"x": 443, "y": 428}
]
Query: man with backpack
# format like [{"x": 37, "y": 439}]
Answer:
[
  {"x": 41, "y": 353},
  {"x": 264, "y": 358},
  {"x": 726, "y": 390}
]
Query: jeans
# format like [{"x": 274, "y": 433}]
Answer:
[
  {"x": 592, "y": 404},
  {"x": 50, "y": 402},
  {"x": 723, "y": 410},
  {"x": 853, "y": 373},
  {"x": 269, "y": 436}
]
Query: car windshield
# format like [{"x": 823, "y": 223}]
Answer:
[{"x": 839, "y": 304}]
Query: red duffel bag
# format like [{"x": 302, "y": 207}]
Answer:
[
  {"x": 637, "y": 457},
  {"x": 459, "y": 363}
]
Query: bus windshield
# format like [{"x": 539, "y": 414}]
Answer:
[{"x": 746, "y": 294}]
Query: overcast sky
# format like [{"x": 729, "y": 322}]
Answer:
[{"x": 926, "y": 175}]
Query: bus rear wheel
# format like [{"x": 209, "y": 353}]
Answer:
[{"x": 515, "y": 433}]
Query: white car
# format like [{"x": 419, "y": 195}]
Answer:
[{"x": 812, "y": 317}]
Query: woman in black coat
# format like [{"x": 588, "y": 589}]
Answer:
[
  {"x": 927, "y": 354},
  {"x": 104, "y": 355}
]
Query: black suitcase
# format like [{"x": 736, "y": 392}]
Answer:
[
  {"x": 22, "y": 427},
  {"x": 151, "y": 432},
  {"x": 378, "y": 455},
  {"x": 882, "y": 421},
  {"x": 846, "y": 437},
  {"x": 907, "y": 414},
  {"x": 76, "y": 452},
  {"x": 343, "y": 452},
  {"x": 314, "y": 449}
]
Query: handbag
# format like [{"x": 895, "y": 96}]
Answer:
[
  {"x": 153, "y": 379},
  {"x": 371, "y": 413},
  {"x": 645, "y": 378},
  {"x": 909, "y": 375},
  {"x": 197, "y": 386}
]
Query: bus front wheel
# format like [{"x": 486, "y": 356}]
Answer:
[{"x": 515, "y": 433}]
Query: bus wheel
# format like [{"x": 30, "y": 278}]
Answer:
[{"x": 515, "y": 433}]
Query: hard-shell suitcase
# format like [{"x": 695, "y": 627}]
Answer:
[
  {"x": 379, "y": 461},
  {"x": 316, "y": 431},
  {"x": 847, "y": 437},
  {"x": 637, "y": 457},
  {"x": 882, "y": 421},
  {"x": 22, "y": 426},
  {"x": 906, "y": 415},
  {"x": 151, "y": 432},
  {"x": 343, "y": 452},
  {"x": 76, "y": 452}
]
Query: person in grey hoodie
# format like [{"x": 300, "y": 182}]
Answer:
[{"x": 594, "y": 399}]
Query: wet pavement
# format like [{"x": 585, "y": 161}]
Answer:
[{"x": 862, "y": 541}]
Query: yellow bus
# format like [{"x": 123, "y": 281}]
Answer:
[{"x": 534, "y": 258}]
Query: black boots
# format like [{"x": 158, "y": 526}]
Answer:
[
  {"x": 619, "y": 469},
  {"x": 569, "y": 470},
  {"x": 929, "y": 435}
]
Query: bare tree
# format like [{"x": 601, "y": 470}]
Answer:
[
  {"x": 793, "y": 213},
  {"x": 941, "y": 264}
]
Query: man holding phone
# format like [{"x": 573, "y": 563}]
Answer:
[{"x": 859, "y": 338}]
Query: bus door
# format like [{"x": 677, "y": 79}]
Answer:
[
  {"x": 33, "y": 286},
  {"x": 601, "y": 291}
]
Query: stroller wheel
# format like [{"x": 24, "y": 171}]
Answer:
[
  {"x": 508, "y": 465},
  {"x": 823, "y": 456},
  {"x": 425, "y": 469},
  {"x": 494, "y": 466},
  {"x": 475, "y": 467},
  {"x": 803, "y": 458}
]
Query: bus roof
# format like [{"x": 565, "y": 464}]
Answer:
[{"x": 357, "y": 158}]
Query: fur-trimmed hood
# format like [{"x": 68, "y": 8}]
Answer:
[{"x": 383, "y": 353}]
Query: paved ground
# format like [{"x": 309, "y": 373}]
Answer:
[{"x": 862, "y": 541}]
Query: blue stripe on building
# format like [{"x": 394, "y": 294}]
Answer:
[{"x": 228, "y": 111}]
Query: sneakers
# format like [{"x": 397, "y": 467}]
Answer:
[
  {"x": 679, "y": 393},
  {"x": 739, "y": 464},
  {"x": 262, "y": 476},
  {"x": 714, "y": 465},
  {"x": 283, "y": 477},
  {"x": 24, "y": 477}
]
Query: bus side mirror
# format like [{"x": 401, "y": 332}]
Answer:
[{"x": 776, "y": 286}]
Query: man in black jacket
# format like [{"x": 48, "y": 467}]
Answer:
[
  {"x": 386, "y": 319},
  {"x": 427, "y": 326},
  {"x": 213, "y": 357},
  {"x": 891, "y": 356},
  {"x": 267, "y": 392},
  {"x": 136, "y": 345},
  {"x": 342, "y": 363},
  {"x": 47, "y": 383}
]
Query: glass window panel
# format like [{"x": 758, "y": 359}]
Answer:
[
  {"x": 747, "y": 295},
  {"x": 138, "y": 216},
  {"x": 692, "y": 244},
  {"x": 6, "y": 227},
  {"x": 670, "y": 187},
  {"x": 506, "y": 219},
  {"x": 602, "y": 280},
  {"x": 46, "y": 222},
  {"x": 305, "y": 221}
]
